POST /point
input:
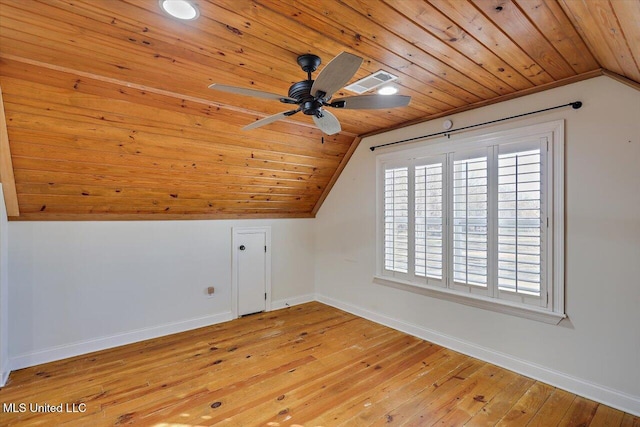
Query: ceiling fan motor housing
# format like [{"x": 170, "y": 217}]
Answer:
[{"x": 302, "y": 92}]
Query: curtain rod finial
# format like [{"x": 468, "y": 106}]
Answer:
[{"x": 576, "y": 105}]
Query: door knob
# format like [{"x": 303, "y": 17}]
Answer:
[{"x": 242, "y": 248}]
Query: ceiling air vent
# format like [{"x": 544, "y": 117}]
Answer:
[{"x": 371, "y": 82}]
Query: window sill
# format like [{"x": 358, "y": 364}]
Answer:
[{"x": 478, "y": 301}]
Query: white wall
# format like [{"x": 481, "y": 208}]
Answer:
[
  {"x": 82, "y": 286},
  {"x": 4, "y": 292},
  {"x": 596, "y": 350}
]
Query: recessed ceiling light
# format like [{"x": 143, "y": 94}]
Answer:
[
  {"x": 388, "y": 90},
  {"x": 181, "y": 9}
]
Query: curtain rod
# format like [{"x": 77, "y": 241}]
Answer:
[{"x": 575, "y": 105}]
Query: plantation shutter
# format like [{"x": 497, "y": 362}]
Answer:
[
  {"x": 520, "y": 219},
  {"x": 396, "y": 219},
  {"x": 470, "y": 221},
  {"x": 428, "y": 207}
]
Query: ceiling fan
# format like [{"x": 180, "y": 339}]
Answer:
[{"x": 313, "y": 96}]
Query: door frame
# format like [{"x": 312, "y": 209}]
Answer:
[{"x": 236, "y": 234}]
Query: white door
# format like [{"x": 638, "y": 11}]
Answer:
[{"x": 252, "y": 269}]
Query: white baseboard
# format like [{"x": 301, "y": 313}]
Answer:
[
  {"x": 290, "y": 302},
  {"x": 616, "y": 399},
  {"x": 89, "y": 346}
]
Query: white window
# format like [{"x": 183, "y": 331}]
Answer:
[{"x": 478, "y": 221}]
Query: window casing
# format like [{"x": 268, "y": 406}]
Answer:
[{"x": 478, "y": 221}]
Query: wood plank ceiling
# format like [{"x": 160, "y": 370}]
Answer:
[{"x": 108, "y": 115}]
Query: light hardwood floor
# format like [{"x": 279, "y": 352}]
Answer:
[{"x": 309, "y": 365}]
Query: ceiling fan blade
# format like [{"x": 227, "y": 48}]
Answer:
[
  {"x": 336, "y": 74},
  {"x": 252, "y": 92},
  {"x": 269, "y": 119},
  {"x": 328, "y": 123},
  {"x": 372, "y": 102}
]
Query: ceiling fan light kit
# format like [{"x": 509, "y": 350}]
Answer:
[
  {"x": 313, "y": 96},
  {"x": 388, "y": 90}
]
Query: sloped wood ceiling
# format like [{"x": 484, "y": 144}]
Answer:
[{"x": 108, "y": 115}]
